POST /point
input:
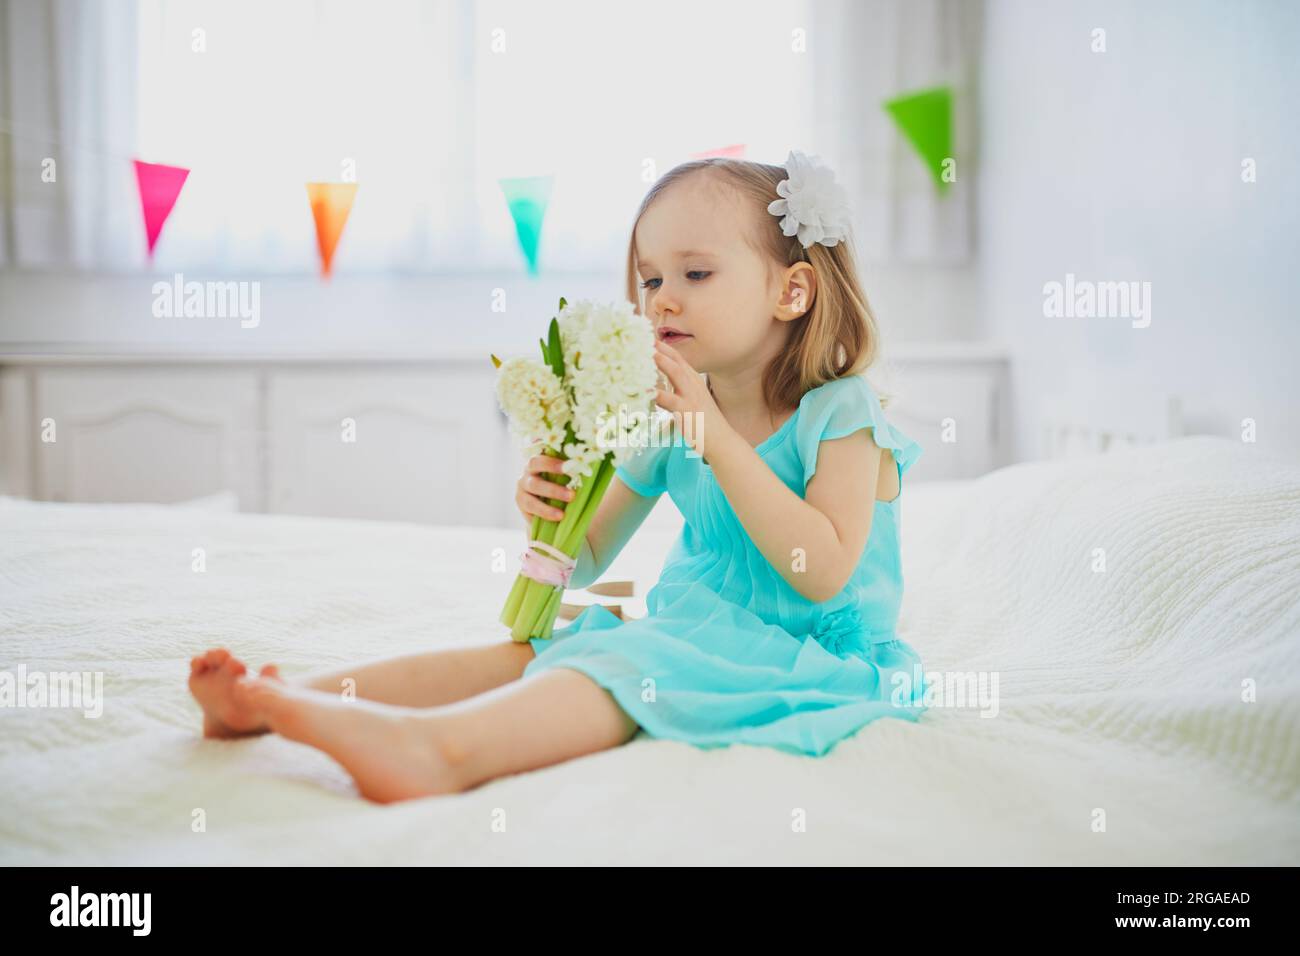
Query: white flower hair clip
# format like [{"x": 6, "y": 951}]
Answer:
[{"x": 813, "y": 204}]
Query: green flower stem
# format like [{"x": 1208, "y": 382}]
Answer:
[
  {"x": 551, "y": 611},
  {"x": 530, "y": 589},
  {"x": 604, "y": 473},
  {"x": 514, "y": 601},
  {"x": 574, "y": 545},
  {"x": 539, "y": 596},
  {"x": 536, "y": 595},
  {"x": 516, "y": 597},
  {"x": 569, "y": 540}
]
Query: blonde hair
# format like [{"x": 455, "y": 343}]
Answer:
[{"x": 834, "y": 338}]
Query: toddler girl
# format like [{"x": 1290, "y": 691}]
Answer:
[{"x": 773, "y": 619}]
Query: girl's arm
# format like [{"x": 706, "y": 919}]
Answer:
[
  {"x": 814, "y": 542},
  {"x": 620, "y": 513}
]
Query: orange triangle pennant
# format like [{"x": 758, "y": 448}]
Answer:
[{"x": 331, "y": 204}]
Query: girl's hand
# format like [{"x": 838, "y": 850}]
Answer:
[
  {"x": 689, "y": 399},
  {"x": 531, "y": 487}
]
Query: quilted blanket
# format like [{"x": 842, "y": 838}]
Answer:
[{"x": 1112, "y": 644}]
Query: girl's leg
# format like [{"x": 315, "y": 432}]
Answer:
[
  {"x": 428, "y": 678},
  {"x": 423, "y": 679},
  {"x": 551, "y": 717},
  {"x": 398, "y": 753}
]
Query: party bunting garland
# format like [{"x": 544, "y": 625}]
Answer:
[{"x": 159, "y": 186}]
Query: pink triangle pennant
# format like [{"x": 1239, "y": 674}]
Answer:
[
  {"x": 734, "y": 151},
  {"x": 159, "y": 186}
]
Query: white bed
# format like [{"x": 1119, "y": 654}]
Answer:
[{"x": 1120, "y": 691}]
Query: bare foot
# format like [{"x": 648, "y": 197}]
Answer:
[
  {"x": 213, "y": 678},
  {"x": 391, "y": 753}
]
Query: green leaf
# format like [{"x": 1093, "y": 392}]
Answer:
[
  {"x": 562, "y": 303},
  {"x": 545, "y": 358},
  {"x": 496, "y": 362},
  {"x": 557, "y": 350}
]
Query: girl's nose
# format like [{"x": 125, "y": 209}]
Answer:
[{"x": 665, "y": 302}]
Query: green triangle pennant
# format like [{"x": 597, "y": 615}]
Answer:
[
  {"x": 527, "y": 198},
  {"x": 925, "y": 118}
]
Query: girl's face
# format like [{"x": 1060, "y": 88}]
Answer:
[{"x": 699, "y": 276}]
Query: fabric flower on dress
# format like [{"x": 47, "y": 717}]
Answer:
[
  {"x": 839, "y": 630},
  {"x": 812, "y": 203}
]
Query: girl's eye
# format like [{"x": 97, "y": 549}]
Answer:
[{"x": 694, "y": 272}]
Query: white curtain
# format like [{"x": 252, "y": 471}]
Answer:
[
  {"x": 430, "y": 104},
  {"x": 869, "y": 51},
  {"x": 67, "y": 76}
]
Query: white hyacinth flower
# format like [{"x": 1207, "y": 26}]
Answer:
[
  {"x": 536, "y": 403},
  {"x": 610, "y": 366}
]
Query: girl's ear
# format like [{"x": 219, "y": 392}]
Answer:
[{"x": 799, "y": 290}]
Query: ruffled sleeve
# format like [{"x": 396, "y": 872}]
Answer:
[
  {"x": 646, "y": 471},
  {"x": 840, "y": 407}
]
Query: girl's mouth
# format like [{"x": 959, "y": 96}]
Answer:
[{"x": 672, "y": 338}]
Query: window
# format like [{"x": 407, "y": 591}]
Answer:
[{"x": 433, "y": 102}]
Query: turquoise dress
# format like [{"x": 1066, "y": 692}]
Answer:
[{"x": 728, "y": 651}]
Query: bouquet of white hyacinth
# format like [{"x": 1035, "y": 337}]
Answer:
[{"x": 590, "y": 402}]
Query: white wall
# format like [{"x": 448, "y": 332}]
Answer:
[
  {"x": 1127, "y": 165},
  {"x": 430, "y": 315},
  {"x": 420, "y": 316}
]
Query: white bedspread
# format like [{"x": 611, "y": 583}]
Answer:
[{"x": 1121, "y": 734}]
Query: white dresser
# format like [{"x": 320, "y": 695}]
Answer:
[
  {"x": 384, "y": 437},
  {"x": 955, "y": 400}
]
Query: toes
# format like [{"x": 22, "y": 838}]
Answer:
[
  {"x": 270, "y": 671},
  {"x": 229, "y": 665},
  {"x": 217, "y": 659}
]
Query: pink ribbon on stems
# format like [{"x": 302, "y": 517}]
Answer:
[{"x": 553, "y": 567}]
